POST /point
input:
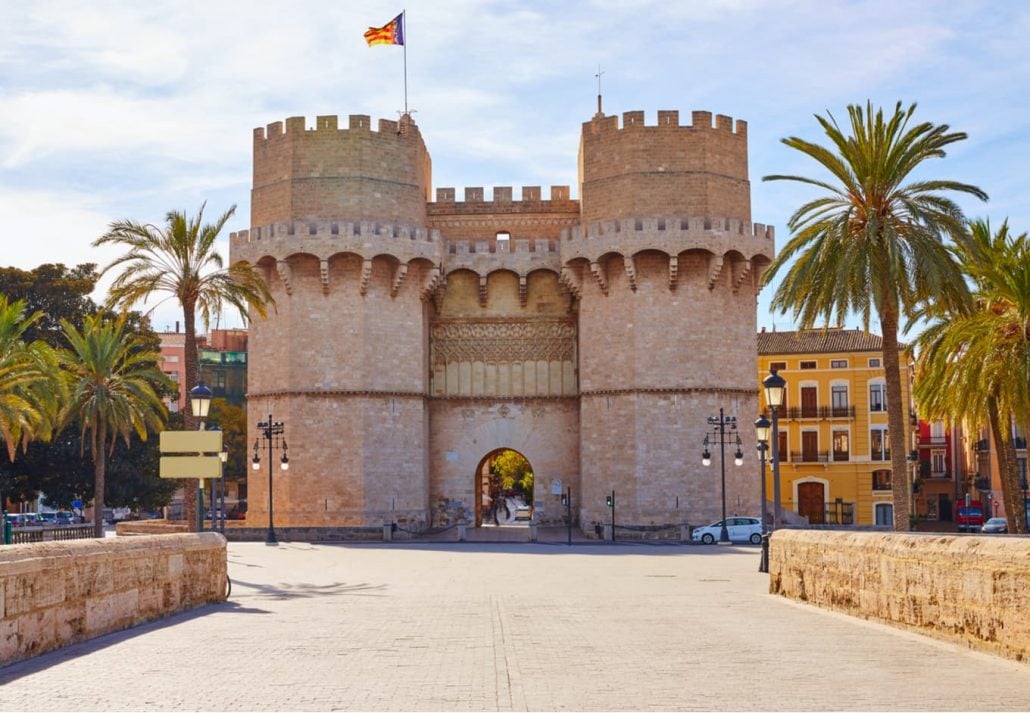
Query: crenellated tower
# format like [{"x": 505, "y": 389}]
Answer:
[
  {"x": 665, "y": 265},
  {"x": 339, "y": 220}
]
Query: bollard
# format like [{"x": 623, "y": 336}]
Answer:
[
  {"x": 763, "y": 563},
  {"x": 461, "y": 532},
  {"x": 609, "y": 533},
  {"x": 532, "y": 532},
  {"x": 387, "y": 532}
]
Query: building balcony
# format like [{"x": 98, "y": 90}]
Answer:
[
  {"x": 809, "y": 456},
  {"x": 928, "y": 441},
  {"x": 822, "y": 412}
]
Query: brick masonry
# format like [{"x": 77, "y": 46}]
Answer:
[
  {"x": 413, "y": 338},
  {"x": 56, "y": 593},
  {"x": 974, "y": 590}
]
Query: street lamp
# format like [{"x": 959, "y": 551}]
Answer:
[
  {"x": 271, "y": 431},
  {"x": 762, "y": 428},
  {"x": 200, "y": 402},
  {"x": 775, "y": 389},
  {"x": 719, "y": 435}
]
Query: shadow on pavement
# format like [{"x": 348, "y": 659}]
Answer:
[
  {"x": 304, "y": 590},
  {"x": 43, "y": 661}
]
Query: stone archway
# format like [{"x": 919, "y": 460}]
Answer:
[{"x": 504, "y": 486}]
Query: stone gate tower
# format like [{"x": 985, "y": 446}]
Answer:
[{"x": 412, "y": 338}]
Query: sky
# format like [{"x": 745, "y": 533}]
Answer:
[{"x": 113, "y": 110}]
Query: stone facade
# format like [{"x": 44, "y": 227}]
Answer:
[
  {"x": 56, "y": 593},
  {"x": 975, "y": 590},
  {"x": 413, "y": 338}
]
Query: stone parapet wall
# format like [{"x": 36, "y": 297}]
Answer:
[
  {"x": 57, "y": 593},
  {"x": 960, "y": 588}
]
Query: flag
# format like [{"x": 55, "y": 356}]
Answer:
[{"x": 392, "y": 33}]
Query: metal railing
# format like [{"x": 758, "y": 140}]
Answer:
[
  {"x": 820, "y": 412},
  {"x": 809, "y": 456},
  {"x": 22, "y": 535}
]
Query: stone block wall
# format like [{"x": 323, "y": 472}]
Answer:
[
  {"x": 968, "y": 589},
  {"x": 57, "y": 593}
]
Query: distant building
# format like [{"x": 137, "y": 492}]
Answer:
[
  {"x": 984, "y": 483},
  {"x": 223, "y": 364},
  {"x": 941, "y": 471},
  {"x": 173, "y": 364},
  {"x": 835, "y": 462}
]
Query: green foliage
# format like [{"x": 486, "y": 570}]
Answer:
[
  {"x": 56, "y": 292},
  {"x": 513, "y": 473},
  {"x": 30, "y": 391},
  {"x": 232, "y": 420}
]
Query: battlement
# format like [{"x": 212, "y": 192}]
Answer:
[
  {"x": 357, "y": 124},
  {"x": 486, "y": 247},
  {"x": 667, "y": 119},
  {"x": 671, "y": 227},
  {"x": 502, "y": 195},
  {"x": 365, "y": 229}
]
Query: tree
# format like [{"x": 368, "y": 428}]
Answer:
[
  {"x": 181, "y": 261},
  {"x": 112, "y": 382},
  {"x": 56, "y": 292},
  {"x": 232, "y": 420},
  {"x": 513, "y": 474},
  {"x": 874, "y": 241},
  {"x": 29, "y": 389},
  {"x": 974, "y": 363}
]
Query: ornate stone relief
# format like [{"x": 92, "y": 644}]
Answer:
[{"x": 503, "y": 341}]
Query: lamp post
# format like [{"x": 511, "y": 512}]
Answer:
[
  {"x": 775, "y": 388},
  {"x": 200, "y": 402},
  {"x": 224, "y": 457},
  {"x": 762, "y": 428},
  {"x": 271, "y": 431},
  {"x": 721, "y": 423}
]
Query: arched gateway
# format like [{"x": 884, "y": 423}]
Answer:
[{"x": 413, "y": 336}]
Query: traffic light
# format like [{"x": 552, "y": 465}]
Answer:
[
  {"x": 609, "y": 500},
  {"x": 564, "y": 499}
]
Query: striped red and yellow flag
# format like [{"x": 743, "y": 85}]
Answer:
[{"x": 392, "y": 33}]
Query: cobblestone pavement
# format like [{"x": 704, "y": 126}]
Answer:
[{"x": 509, "y": 627}]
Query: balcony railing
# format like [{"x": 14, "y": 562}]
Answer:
[
  {"x": 933, "y": 441},
  {"x": 809, "y": 456},
  {"x": 840, "y": 514},
  {"x": 820, "y": 412}
]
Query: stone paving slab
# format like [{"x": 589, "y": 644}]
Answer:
[{"x": 473, "y": 626}]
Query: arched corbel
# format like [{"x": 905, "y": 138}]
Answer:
[
  {"x": 599, "y": 275},
  {"x": 674, "y": 266},
  {"x": 285, "y": 274},
  {"x": 323, "y": 271},
  {"x": 398, "y": 278},
  {"x": 366, "y": 275},
  {"x": 714, "y": 270}
]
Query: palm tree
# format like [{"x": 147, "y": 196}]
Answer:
[
  {"x": 29, "y": 390},
  {"x": 112, "y": 381},
  {"x": 181, "y": 261},
  {"x": 873, "y": 241},
  {"x": 974, "y": 363}
]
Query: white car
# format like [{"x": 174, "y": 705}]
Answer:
[{"x": 739, "y": 529}]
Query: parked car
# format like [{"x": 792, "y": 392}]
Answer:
[
  {"x": 995, "y": 526},
  {"x": 739, "y": 529},
  {"x": 15, "y": 519}
]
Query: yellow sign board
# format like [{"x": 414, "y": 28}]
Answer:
[
  {"x": 191, "y": 441},
  {"x": 191, "y": 467},
  {"x": 191, "y": 454}
]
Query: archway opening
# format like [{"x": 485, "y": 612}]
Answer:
[{"x": 504, "y": 490}]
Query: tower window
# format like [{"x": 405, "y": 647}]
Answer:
[{"x": 503, "y": 235}]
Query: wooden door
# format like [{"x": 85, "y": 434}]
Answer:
[
  {"x": 809, "y": 446},
  {"x": 809, "y": 402},
  {"x": 812, "y": 501}
]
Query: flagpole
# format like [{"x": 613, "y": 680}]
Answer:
[{"x": 404, "y": 25}]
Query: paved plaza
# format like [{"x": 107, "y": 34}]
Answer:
[{"x": 476, "y": 626}]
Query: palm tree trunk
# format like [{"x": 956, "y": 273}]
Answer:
[
  {"x": 896, "y": 417},
  {"x": 1008, "y": 470},
  {"x": 190, "y": 485},
  {"x": 99, "y": 473}
]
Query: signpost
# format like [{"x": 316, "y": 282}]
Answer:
[{"x": 192, "y": 454}]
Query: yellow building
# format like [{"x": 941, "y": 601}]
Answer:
[{"x": 833, "y": 436}]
